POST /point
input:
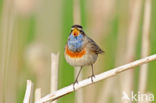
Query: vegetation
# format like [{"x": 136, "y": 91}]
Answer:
[{"x": 31, "y": 29}]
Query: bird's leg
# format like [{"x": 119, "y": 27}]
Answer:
[
  {"x": 92, "y": 76},
  {"x": 76, "y": 80}
]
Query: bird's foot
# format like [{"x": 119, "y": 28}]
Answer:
[
  {"x": 76, "y": 81},
  {"x": 92, "y": 76}
]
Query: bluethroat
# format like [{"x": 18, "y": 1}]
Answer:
[{"x": 81, "y": 50}]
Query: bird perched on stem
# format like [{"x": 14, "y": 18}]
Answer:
[{"x": 81, "y": 50}]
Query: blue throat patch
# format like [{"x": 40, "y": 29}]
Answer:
[{"x": 75, "y": 42}]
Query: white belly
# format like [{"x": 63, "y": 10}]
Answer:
[{"x": 87, "y": 59}]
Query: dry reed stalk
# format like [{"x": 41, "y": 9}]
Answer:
[
  {"x": 48, "y": 20},
  {"x": 7, "y": 26},
  {"x": 106, "y": 91},
  {"x": 100, "y": 14},
  {"x": 77, "y": 20},
  {"x": 121, "y": 44},
  {"x": 127, "y": 77},
  {"x": 145, "y": 46},
  {"x": 37, "y": 94},
  {"x": 29, "y": 92},
  {"x": 37, "y": 59},
  {"x": 76, "y": 12},
  {"x": 79, "y": 94},
  {"x": 54, "y": 73},
  {"x": 105, "y": 75}
]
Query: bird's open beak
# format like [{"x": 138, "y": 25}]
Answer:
[{"x": 75, "y": 32}]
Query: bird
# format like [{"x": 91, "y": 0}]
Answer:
[{"x": 80, "y": 50}]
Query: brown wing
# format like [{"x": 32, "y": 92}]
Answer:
[{"x": 94, "y": 47}]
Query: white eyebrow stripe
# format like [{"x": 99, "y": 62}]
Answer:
[
  {"x": 80, "y": 28},
  {"x": 77, "y": 28}
]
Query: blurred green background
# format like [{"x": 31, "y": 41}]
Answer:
[{"x": 31, "y": 29}]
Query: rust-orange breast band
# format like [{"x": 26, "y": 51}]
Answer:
[{"x": 75, "y": 54}]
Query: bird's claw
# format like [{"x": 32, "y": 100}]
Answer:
[{"x": 92, "y": 76}]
